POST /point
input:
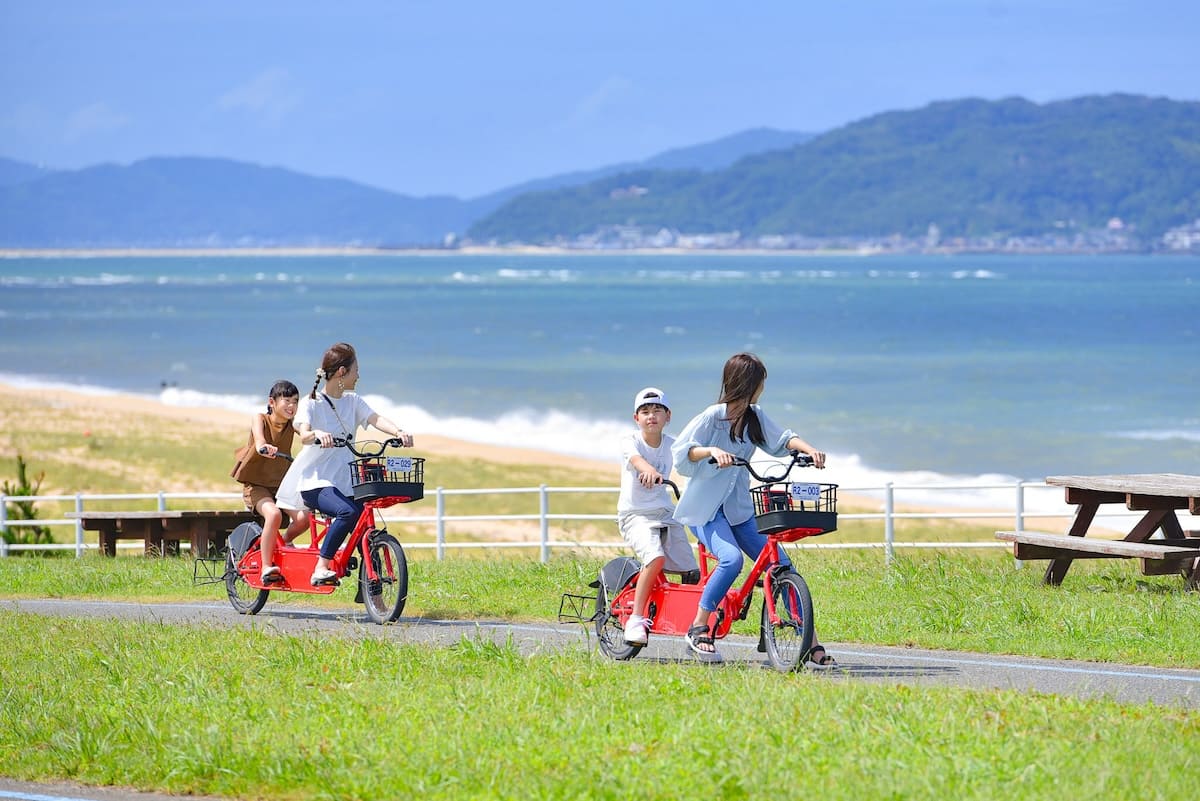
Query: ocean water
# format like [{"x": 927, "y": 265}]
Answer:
[{"x": 920, "y": 368}]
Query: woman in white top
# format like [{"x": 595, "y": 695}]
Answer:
[
  {"x": 320, "y": 477},
  {"x": 716, "y": 502}
]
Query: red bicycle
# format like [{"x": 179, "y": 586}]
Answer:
[
  {"x": 785, "y": 512},
  {"x": 378, "y": 481}
]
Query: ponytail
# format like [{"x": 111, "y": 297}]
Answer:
[{"x": 744, "y": 374}]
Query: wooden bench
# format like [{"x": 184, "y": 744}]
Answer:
[
  {"x": 1158, "y": 557},
  {"x": 162, "y": 531}
]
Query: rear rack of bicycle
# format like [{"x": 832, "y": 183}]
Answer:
[
  {"x": 794, "y": 504},
  {"x": 375, "y": 477},
  {"x": 574, "y": 608}
]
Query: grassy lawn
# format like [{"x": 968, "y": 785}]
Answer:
[
  {"x": 249, "y": 714},
  {"x": 256, "y": 715}
]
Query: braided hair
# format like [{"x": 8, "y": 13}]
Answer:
[{"x": 340, "y": 355}]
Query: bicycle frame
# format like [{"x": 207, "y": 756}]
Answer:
[
  {"x": 674, "y": 605},
  {"x": 296, "y": 563}
]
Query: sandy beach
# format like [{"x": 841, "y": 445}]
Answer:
[
  {"x": 80, "y": 415},
  {"x": 89, "y": 414},
  {"x": 74, "y": 436}
]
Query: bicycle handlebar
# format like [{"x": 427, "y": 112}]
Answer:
[
  {"x": 395, "y": 442},
  {"x": 798, "y": 460},
  {"x": 278, "y": 454}
]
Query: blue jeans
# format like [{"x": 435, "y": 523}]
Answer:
[
  {"x": 727, "y": 542},
  {"x": 344, "y": 511}
]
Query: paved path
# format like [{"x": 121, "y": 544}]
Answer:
[{"x": 911, "y": 666}]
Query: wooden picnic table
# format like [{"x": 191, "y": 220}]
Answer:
[
  {"x": 162, "y": 531},
  {"x": 1159, "y": 495}
]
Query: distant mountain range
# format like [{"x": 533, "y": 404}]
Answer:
[
  {"x": 968, "y": 168},
  {"x": 205, "y": 202},
  {"x": 964, "y": 168}
]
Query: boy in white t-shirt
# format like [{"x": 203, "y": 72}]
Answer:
[{"x": 644, "y": 507}]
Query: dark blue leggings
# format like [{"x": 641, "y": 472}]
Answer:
[{"x": 344, "y": 511}]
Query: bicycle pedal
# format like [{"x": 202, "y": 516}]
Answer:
[{"x": 274, "y": 578}]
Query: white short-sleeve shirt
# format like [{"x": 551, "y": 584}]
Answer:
[
  {"x": 323, "y": 467},
  {"x": 634, "y": 497}
]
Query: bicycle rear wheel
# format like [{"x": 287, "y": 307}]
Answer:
[
  {"x": 384, "y": 596},
  {"x": 610, "y": 632},
  {"x": 245, "y": 600},
  {"x": 789, "y": 642}
]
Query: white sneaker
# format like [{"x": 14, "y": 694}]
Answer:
[
  {"x": 322, "y": 575},
  {"x": 637, "y": 630}
]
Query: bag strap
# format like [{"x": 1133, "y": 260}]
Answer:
[{"x": 346, "y": 434}]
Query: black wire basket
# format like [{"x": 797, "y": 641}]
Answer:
[
  {"x": 377, "y": 477},
  {"x": 795, "y": 505}
]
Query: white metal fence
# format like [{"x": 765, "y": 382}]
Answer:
[{"x": 1017, "y": 502}]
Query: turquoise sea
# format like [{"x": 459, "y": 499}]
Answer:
[{"x": 901, "y": 367}]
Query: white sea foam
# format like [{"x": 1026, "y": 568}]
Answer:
[
  {"x": 515, "y": 274},
  {"x": 556, "y": 431},
  {"x": 103, "y": 279}
]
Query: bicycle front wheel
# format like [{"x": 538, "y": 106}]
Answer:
[
  {"x": 790, "y": 641},
  {"x": 245, "y": 600},
  {"x": 384, "y": 595}
]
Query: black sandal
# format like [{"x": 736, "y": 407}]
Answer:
[
  {"x": 699, "y": 635},
  {"x": 825, "y": 662}
]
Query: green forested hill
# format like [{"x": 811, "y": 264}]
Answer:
[{"x": 970, "y": 167}]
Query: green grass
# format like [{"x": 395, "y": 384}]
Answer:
[
  {"x": 256, "y": 714},
  {"x": 250, "y": 714}
]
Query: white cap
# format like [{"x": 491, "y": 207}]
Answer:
[{"x": 650, "y": 395}]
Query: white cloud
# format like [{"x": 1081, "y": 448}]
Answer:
[
  {"x": 269, "y": 95},
  {"x": 93, "y": 119},
  {"x": 593, "y": 106}
]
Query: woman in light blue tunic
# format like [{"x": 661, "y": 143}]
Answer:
[{"x": 716, "y": 502}]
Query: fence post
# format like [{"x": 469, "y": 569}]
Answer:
[
  {"x": 889, "y": 523},
  {"x": 3, "y": 524},
  {"x": 79, "y": 546},
  {"x": 441, "y": 524},
  {"x": 544, "y": 511},
  {"x": 1020, "y": 505},
  {"x": 1020, "y": 516}
]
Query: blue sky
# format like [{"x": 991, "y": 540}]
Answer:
[{"x": 449, "y": 97}]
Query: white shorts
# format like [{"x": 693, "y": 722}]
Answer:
[{"x": 643, "y": 531}]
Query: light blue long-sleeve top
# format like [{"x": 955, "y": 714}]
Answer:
[{"x": 710, "y": 488}]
